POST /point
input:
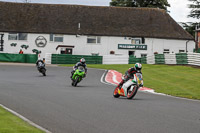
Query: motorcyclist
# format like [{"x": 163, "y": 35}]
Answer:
[
  {"x": 81, "y": 63},
  {"x": 40, "y": 63},
  {"x": 130, "y": 73}
]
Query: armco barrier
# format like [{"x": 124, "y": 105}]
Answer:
[
  {"x": 22, "y": 58},
  {"x": 144, "y": 60},
  {"x": 133, "y": 60},
  {"x": 181, "y": 58},
  {"x": 159, "y": 59},
  {"x": 72, "y": 59},
  {"x": 170, "y": 58},
  {"x": 151, "y": 59},
  {"x": 194, "y": 59}
]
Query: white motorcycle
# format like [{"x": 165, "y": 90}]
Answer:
[{"x": 130, "y": 87}]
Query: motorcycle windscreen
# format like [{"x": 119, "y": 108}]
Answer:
[
  {"x": 139, "y": 78},
  {"x": 81, "y": 69}
]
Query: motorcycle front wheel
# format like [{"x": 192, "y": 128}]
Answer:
[
  {"x": 43, "y": 72},
  {"x": 115, "y": 93},
  {"x": 131, "y": 92},
  {"x": 76, "y": 81}
]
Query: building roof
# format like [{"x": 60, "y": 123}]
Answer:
[{"x": 94, "y": 20}]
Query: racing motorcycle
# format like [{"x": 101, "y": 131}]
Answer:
[
  {"x": 41, "y": 68},
  {"x": 78, "y": 75},
  {"x": 130, "y": 87}
]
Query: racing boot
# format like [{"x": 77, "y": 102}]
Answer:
[{"x": 120, "y": 84}]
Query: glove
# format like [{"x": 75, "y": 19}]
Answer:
[{"x": 140, "y": 85}]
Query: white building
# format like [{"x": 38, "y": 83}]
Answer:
[{"x": 88, "y": 30}]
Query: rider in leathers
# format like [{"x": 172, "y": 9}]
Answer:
[
  {"x": 130, "y": 73},
  {"x": 81, "y": 63}
]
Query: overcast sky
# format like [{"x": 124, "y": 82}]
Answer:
[{"x": 179, "y": 8}]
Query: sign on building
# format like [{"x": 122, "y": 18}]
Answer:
[{"x": 131, "y": 46}]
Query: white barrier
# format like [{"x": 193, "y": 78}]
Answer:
[
  {"x": 48, "y": 58},
  {"x": 115, "y": 59},
  {"x": 151, "y": 59},
  {"x": 194, "y": 59},
  {"x": 170, "y": 58}
]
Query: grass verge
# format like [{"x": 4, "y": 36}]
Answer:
[
  {"x": 10, "y": 123},
  {"x": 180, "y": 81}
]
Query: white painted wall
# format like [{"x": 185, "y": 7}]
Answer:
[
  {"x": 107, "y": 44},
  {"x": 158, "y": 45}
]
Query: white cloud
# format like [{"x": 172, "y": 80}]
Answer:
[{"x": 179, "y": 11}]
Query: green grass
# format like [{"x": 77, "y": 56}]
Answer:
[
  {"x": 180, "y": 81},
  {"x": 10, "y": 123}
]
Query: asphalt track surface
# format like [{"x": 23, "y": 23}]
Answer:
[{"x": 54, "y": 104}]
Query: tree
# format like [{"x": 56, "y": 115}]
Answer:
[
  {"x": 162, "y": 4},
  {"x": 190, "y": 27},
  {"x": 195, "y": 9}
]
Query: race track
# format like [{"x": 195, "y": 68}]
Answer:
[{"x": 54, "y": 104}]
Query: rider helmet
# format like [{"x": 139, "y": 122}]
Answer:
[
  {"x": 138, "y": 66},
  {"x": 82, "y": 60}
]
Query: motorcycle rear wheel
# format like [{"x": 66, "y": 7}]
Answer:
[{"x": 131, "y": 94}]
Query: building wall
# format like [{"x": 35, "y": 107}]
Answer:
[
  {"x": 107, "y": 44},
  {"x": 198, "y": 34}
]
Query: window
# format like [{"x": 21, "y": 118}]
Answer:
[
  {"x": 56, "y": 38},
  {"x": 181, "y": 51},
  {"x": 143, "y": 55},
  {"x": 94, "y": 39},
  {"x": 135, "y": 41},
  {"x": 17, "y": 36},
  {"x": 166, "y": 51}
]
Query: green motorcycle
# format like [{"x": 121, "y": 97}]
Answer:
[{"x": 78, "y": 75}]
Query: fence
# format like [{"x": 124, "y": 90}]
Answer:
[
  {"x": 72, "y": 59},
  {"x": 178, "y": 58},
  {"x": 133, "y": 60},
  {"x": 21, "y": 58},
  {"x": 194, "y": 59}
]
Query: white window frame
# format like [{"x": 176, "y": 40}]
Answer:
[
  {"x": 181, "y": 51},
  {"x": 143, "y": 55},
  {"x": 17, "y": 36},
  {"x": 96, "y": 40},
  {"x": 52, "y": 38},
  {"x": 166, "y": 51},
  {"x": 135, "y": 41}
]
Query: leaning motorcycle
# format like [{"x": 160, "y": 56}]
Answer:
[
  {"x": 41, "y": 68},
  {"x": 78, "y": 75},
  {"x": 130, "y": 87}
]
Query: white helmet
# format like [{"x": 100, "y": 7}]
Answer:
[
  {"x": 82, "y": 60},
  {"x": 138, "y": 66}
]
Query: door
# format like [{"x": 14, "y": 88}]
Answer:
[
  {"x": 131, "y": 53},
  {"x": 66, "y": 51}
]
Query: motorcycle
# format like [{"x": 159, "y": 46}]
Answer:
[
  {"x": 130, "y": 87},
  {"x": 78, "y": 75},
  {"x": 41, "y": 68}
]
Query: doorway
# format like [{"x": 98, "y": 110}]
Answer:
[
  {"x": 66, "y": 51},
  {"x": 131, "y": 53}
]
